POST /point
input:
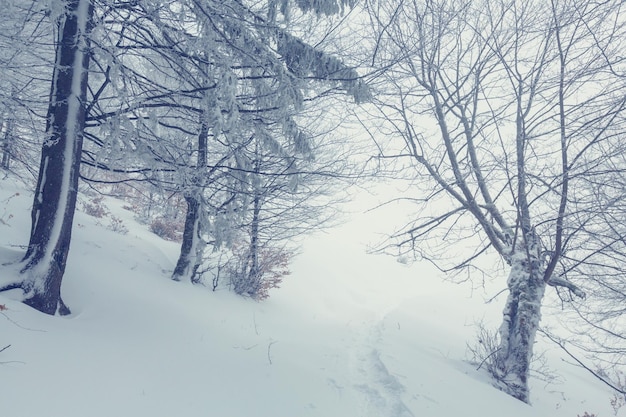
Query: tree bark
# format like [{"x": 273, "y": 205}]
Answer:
[
  {"x": 521, "y": 317},
  {"x": 55, "y": 196},
  {"x": 250, "y": 283},
  {"x": 254, "y": 272},
  {"x": 6, "y": 144},
  {"x": 193, "y": 244}
]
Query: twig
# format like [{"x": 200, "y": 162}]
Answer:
[
  {"x": 256, "y": 330},
  {"x": 8, "y": 362},
  {"x": 246, "y": 347},
  {"x": 269, "y": 346},
  {"x": 579, "y": 362},
  {"x": 496, "y": 296},
  {"x": 488, "y": 356},
  {"x": 19, "y": 325}
]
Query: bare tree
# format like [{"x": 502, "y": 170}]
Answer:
[
  {"x": 591, "y": 331},
  {"x": 26, "y": 58},
  {"x": 504, "y": 114}
]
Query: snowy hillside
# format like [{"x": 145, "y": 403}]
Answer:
[{"x": 347, "y": 335}]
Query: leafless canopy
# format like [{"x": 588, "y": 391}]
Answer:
[{"x": 508, "y": 118}]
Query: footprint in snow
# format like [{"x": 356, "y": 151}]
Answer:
[{"x": 381, "y": 391}]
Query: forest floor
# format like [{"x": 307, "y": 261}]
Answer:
[{"x": 347, "y": 335}]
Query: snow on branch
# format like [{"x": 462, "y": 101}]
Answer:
[
  {"x": 560, "y": 282},
  {"x": 320, "y": 7},
  {"x": 305, "y": 61}
]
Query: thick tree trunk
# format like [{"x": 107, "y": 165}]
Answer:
[
  {"x": 192, "y": 248},
  {"x": 56, "y": 191},
  {"x": 521, "y": 317},
  {"x": 189, "y": 259}
]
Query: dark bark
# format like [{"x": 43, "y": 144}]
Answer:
[
  {"x": 56, "y": 191},
  {"x": 193, "y": 246},
  {"x": 190, "y": 236}
]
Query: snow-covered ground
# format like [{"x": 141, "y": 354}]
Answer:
[{"x": 347, "y": 335}]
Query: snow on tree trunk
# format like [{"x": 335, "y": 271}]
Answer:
[
  {"x": 521, "y": 317},
  {"x": 192, "y": 248},
  {"x": 254, "y": 277},
  {"x": 6, "y": 144},
  {"x": 56, "y": 191},
  {"x": 190, "y": 258}
]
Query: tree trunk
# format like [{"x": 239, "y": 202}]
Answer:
[
  {"x": 522, "y": 314},
  {"x": 6, "y": 144},
  {"x": 254, "y": 273},
  {"x": 252, "y": 281},
  {"x": 192, "y": 241},
  {"x": 56, "y": 191},
  {"x": 192, "y": 248}
]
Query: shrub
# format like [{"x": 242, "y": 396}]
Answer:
[
  {"x": 619, "y": 398},
  {"x": 273, "y": 265},
  {"x": 484, "y": 352},
  {"x": 167, "y": 229},
  {"x": 95, "y": 208},
  {"x": 4, "y": 217},
  {"x": 117, "y": 225}
]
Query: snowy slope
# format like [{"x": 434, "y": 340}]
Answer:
[{"x": 348, "y": 335}]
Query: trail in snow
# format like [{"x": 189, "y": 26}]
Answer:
[{"x": 379, "y": 390}]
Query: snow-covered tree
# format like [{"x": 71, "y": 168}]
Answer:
[
  {"x": 503, "y": 114},
  {"x": 26, "y": 58},
  {"x": 242, "y": 76},
  {"x": 161, "y": 90},
  {"x": 56, "y": 190}
]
